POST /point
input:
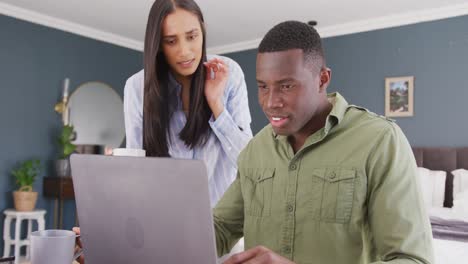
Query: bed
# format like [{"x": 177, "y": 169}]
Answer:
[{"x": 449, "y": 223}]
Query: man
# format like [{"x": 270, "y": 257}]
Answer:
[{"x": 324, "y": 182}]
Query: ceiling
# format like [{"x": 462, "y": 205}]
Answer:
[{"x": 231, "y": 25}]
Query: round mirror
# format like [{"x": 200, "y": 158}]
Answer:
[{"x": 96, "y": 112}]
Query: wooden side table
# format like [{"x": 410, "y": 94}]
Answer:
[{"x": 60, "y": 189}]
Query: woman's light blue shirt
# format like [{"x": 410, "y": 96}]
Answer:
[{"x": 230, "y": 131}]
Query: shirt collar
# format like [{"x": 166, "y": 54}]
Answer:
[
  {"x": 339, "y": 106},
  {"x": 174, "y": 85},
  {"x": 175, "y": 89}
]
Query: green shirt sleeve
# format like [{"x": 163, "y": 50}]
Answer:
[
  {"x": 399, "y": 225},
  {"x": 229, "y": 218}
]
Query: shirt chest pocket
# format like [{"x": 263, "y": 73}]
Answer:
[
  {"x": 332, "y": 194},
  {"x": 257, "y": 191}
]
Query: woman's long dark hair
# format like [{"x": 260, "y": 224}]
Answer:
[{"x": 156, "y": 109}]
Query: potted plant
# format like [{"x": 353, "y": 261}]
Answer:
[
  {"x": 62, "y": 165},
  {"x": 25, "y": 175}
]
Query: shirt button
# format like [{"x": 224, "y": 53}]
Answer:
[
  {"x": 290, "y": 208},
  {"x": 287, "y": 249},
  {"x": 292, "y": 167},
  {"x": 333, "y": 175}
]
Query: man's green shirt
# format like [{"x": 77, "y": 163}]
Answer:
[{"x": 349, "y": 195}]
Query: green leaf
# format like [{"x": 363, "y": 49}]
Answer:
[
  {"x": 64, "y": 141},
  {"x": 25, "y": 174}
]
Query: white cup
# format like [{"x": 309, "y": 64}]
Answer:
[
  {"x": 129, "y": 152},
  {"x": 53, "y": 247}
]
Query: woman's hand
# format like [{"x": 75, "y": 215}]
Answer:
[
  {"x": 78, "y": 246},
  {"x": 217, "y": 74}
]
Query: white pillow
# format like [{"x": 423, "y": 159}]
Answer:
[
  {"x": 460, "y": 181},
  {"x": 460, "y": 204},
  {"x": 433, "y": 186},
  {"x": 427, "y": 187}
]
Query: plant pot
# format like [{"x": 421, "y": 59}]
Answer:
[
  {"x": 62, "y": 168},
  {"x": 24, "y": 201}
]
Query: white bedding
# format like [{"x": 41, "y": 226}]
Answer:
[
  {"x": 448, "y": 213},
  {"x": 448, "y": 251}
]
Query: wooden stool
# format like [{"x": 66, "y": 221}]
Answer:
[{"x": 17, "y": 242}]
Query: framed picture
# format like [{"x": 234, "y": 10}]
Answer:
[{"x": 399, "y": 92}]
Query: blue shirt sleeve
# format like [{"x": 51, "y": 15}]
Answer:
[{"x": 232, "y": 127}]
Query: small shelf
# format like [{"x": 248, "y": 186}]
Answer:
[{"x": 58, "y": 188}]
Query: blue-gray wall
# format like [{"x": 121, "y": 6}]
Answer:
[
  {"x": 435, "y": 53},
  {"x": 34, "y": 60}
]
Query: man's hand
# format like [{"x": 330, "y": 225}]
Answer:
[
  {"x": 257, "y": 255},
  {"x": 78, "y": 246}
]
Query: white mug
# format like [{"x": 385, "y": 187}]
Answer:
[
  {"x": 129, "y": 152},
  {"x": 53, "y": 247}
]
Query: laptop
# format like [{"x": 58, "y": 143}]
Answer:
[{"x": 143, "y": 210}]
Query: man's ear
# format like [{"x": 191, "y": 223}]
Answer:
[{"x": 325, "y": 78}]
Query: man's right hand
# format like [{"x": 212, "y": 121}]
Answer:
[{"x": 78, "y": 245}]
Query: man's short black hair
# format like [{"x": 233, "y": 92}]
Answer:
[{"x": 294, "y": 35}]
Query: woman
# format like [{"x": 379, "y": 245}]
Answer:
[
  {"x": 183, "y": 105},
  {"x": 176, "y": 107}
]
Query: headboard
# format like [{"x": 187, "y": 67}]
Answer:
[{"x": 445, "y": 159}]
